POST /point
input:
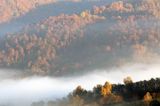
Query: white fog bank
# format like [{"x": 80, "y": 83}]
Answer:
[{"x": 23, "y": 91}]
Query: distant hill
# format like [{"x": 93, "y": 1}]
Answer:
[
  {"x": 10, "y": 9},
  {"x": 104, "y": 36},
  {"x": 36, "y": 47}
]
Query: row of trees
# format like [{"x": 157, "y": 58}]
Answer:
[
  {"x": 110, "y": 94},
  {"x": 142, "y": 93}
]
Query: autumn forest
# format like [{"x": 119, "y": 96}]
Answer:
[{"x": 48, "y": 47}]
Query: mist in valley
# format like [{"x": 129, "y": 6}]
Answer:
[{"x": 23, "y": 91}]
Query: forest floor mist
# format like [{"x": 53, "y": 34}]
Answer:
[{"x": 26, "y": 90}]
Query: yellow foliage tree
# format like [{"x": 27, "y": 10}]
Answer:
[
  {"x": 147, "y": 97},
  {"x": 127, "y": 80},
  {"x": 85, "y": 14},
  {"x": 106, "y": 89}
]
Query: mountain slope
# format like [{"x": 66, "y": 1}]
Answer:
[
  {"x": 105, "y": 36},
  {"x": 10, "y": 9}
]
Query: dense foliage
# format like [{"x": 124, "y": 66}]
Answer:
[
  {"x": 10, "y": 9},
  {"x": 106, "y": 35},
  {"x": 36, "y": 48},
  {"x": 142, "y": 93}
]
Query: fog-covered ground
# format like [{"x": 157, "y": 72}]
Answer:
[{"x": 20, "y": 91}]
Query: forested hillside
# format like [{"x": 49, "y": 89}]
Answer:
[
  {"x": 36, "y": 47},
  {"x": 106, "y": 35},
  {"x": 10, "y": 9},
  {"x": 48, "y": 47}
]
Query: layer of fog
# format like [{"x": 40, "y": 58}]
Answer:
[{"x": 26, "y": 90}]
